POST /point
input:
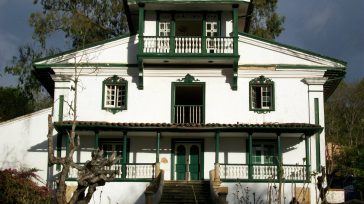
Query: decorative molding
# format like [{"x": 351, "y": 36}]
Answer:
[
  {"x": 188, "y": 79},
  {"x": 261, "y": 80}
]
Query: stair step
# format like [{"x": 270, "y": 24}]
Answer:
[{"x": 182, "y": 192}]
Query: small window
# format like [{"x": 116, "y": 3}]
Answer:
[
  {"x": 115, "y": 90},
  {"x": 261, "y": 94}
]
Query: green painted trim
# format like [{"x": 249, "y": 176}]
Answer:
[
  {"x": 141, "y": 74},
  {"x": 291, "y": 66},
  {"x": 280, "y": 157},
  {"x": 59, "y": 150},
  {"x": 188, "y": 56},
  {"x": 158, "y": 145},
  {"x": 93, "y": 65},
  {"x": 181, "y": 140},
  {"x": 234, "y": 86},
  {"x": 308, "y": 162},
  {"x": 279, "y": 149},
  {"x": 187, "y": 82},
  {"x": 83, "y": 48},
  {"x": 141, "y": 45},
  {"x": 235, "y": 29},
  {"x": 217, "y": 146},
  {"x": 262, "y": 81},
  {"x": 203, "y": 40},
  {"x": 306, "y": 130},
  {"x": 293, "y": 48},
  {"x": 250, "y": 161},
  {"x": 172, "y": 36},
  {"x": 118, "y": 81},
  {"x": 317, "y": 137},
  {"x": 60, "y": 108},
  {"x": 97, "y": 136},
  {"x": 124, "y": 159}
]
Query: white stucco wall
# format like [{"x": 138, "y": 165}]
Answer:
[
  {"x": 24, "y": 142},
  {"x": 222, "y": 105}
]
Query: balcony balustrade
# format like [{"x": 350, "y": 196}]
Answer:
[
  {"x": 188, "y": 45},
  {"x": 262, "y": 172},
  {"x": 133, "y": 171},
  {"x": 188, "y": 114}
]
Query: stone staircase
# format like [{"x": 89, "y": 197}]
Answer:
[{"x": 182, "y": 192}]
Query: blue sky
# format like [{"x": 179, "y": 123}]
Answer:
[{"x": 329, "y": 27}]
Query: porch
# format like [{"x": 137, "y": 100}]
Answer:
[{"x": 228, "y": 149}]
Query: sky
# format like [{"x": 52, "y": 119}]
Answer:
[{"x": 333, "y": 28}]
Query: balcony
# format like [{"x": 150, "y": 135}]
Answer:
[{"x": 188, "y": 45}]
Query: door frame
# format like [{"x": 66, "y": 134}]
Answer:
[
  {"x": 173, "y": 96},
  {"x": 187, "y": 140}
]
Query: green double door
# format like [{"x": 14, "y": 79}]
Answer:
[{"x": 188, "y": 159}]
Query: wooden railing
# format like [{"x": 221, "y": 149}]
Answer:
[
  {"x": 188, "y": 114},
  {"x": 262, "y": 172},
  {"x": 133, "y": 171},
  {"x": 188, "y": 45}
]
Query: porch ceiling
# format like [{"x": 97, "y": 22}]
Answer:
[{"x": 307, "y": 129}]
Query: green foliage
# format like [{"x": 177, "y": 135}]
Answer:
[
  {"x": 96, "y": 20},
  {"x": 19, "y": 187},
  {"x": 266, "y": 22},
  {"x": 13, "y": 103}
]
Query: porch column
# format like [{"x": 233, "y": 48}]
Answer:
[
  {"x": 217, "y": 151},
  {"x": 250, "y": 162},
  {"x": 307, "y": 145},
  {"x": 97, "y": 134},
  {"x": 203, "y": 40},
  {"x": 280, "y": 160},
  {"x": 123, "y": 170},
  {"x": 157, "y": 163},
  {"x": 172, "y": 37},
  {"x": 235, "y": 28}
]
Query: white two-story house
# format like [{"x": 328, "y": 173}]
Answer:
[{"x": 191, "y": 93}]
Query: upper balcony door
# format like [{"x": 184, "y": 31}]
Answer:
[{"x": 188, "y": 102}]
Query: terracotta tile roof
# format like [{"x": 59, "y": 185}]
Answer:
[{"x": 236, "y": 127}]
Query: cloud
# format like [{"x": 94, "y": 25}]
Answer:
[{"x": 319, "y": 19}]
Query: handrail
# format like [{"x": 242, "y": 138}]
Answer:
[
  {"x": 194, "y": 194},
  {"x": 154, "y": 191}
]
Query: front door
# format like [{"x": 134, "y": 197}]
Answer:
[{"x": 188, "y": 157}]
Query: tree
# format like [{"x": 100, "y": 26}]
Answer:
[
  {"x": 13, "y": 103},
  {"x": 266, "y": 22}
]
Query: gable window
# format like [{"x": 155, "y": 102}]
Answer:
[
  {"x": 115, "y": 90},
  {"x": 261, "y": 94}
]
